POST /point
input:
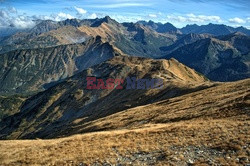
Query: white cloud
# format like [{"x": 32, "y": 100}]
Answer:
[
  {"x": 12, "y": 10},
  {"x": 92, "y": 16},
  {"x": 3, "y": 14},
  {"x": 237, "y": 20},
  {"x": 80, "y": 11},
  {"x": 10, "y": 18},
  {"x": 23, "y": 22},
  {"x": 121, "y": 18},
  {"x": 177, "y": 18},
  {"x": 62, "y": 16},
  {"x": 202, "y": 18},
  {"x": 54, "y": 17},
  {"x": 194, "y": 18},
  {"x": 43, "y": 17},
  {"x": 152, "y": 15}
]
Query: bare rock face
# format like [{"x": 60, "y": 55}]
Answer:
[{"x": 30, "y": 70}]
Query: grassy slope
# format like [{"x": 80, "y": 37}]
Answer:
[
  {"x": 210, "y": 126},
  {"x": 53, "y": 113}
]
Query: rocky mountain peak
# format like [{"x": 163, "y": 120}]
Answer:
[{"x": 106, "y": 19}]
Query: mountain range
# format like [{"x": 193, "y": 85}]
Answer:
[
  {"x": 198, "y": 116},
  {"x": 221, "y": 50},
  {"x": 45, "y": 66},
  {"x": 214, "y": 29}
]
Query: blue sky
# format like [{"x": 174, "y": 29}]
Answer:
[{"x": 21, "y": 13}]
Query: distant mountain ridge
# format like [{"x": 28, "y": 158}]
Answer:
[
  {"x": 71, "y": 44},
  {"x": 161, "y": 28},
  {"x": 47, "y": 25},
  {"x": 213, "y": 29}
]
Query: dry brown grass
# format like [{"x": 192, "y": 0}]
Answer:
[
  {"x": 104, "y": 31},
  {"x": 207, "y": 127},
  {"x": 225, "y": 101},
  {"x": 88, "y": 148}
]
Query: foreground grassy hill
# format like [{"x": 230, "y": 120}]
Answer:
[
  {"x": 57, "y": 111},
  {"x": 207, "y": 127}
]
